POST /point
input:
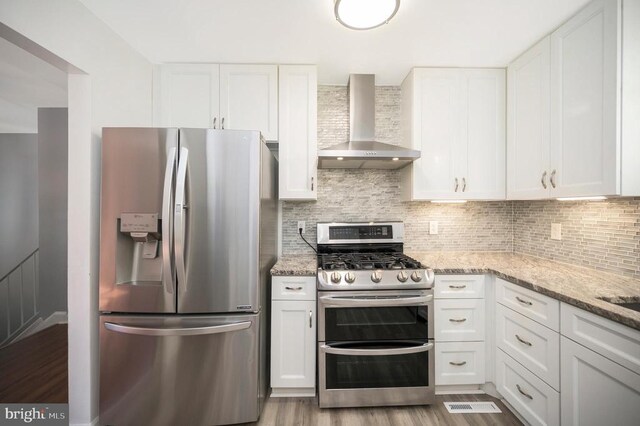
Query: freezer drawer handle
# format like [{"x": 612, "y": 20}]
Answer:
[
  {"x": 377, "y": 352},
  {"x": 370, "y": 303},
  {"x": 189, "y": 331}
]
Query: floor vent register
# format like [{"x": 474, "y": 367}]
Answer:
[{"x": 472, "y": 407}]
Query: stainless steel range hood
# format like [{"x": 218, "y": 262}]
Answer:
[{"x": 362, "y": 151}]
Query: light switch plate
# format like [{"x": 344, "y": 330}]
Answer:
[
  {"x": 556, "y": 231},
  {"x": 433, "y": 227}
]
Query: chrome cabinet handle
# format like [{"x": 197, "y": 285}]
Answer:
[
  {"x": 214, "y": 122},
  {"x": 552, "y": 179},
  {"x": 524, "y": 342},
  {"x": 310, "y": 319},
  {"x": 458, "y": 364},
  {"x": 464, "y": 184},
  {"x": 457, "y": 286},
  {"x": 377, "y": 352},
  {"x": 222, "y": 123},
  {"x": 526, "y": 302},
  {"x": 544, "y": 180},
  {"x": 312, "y": 183},
  {"x": 293, "y": 288},
  {"x": 457, "y": 319},
  {"x": 523, "y": 392},
  {"x": 456, "y": 188}
]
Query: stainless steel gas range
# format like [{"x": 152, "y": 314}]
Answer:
[{"x": 375, "y": 317}]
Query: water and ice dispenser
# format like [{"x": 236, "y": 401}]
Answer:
[{"x": 138, "y": 249}]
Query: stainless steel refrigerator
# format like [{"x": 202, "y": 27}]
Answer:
[{"x": 187, "y": 238}]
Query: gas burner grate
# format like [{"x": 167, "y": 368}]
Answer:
[{"x": 367, "y": 261}]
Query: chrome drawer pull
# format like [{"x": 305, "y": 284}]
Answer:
[
  {"x": 457, "y": 319},
  {"x": 521, "y": 340},
  {"x": 457, "y": 286},
  {"x": 543, "y": 180},
  {"x": 310, "y": 319},
  {"x": 523, "y": 392},
  {"x": 458, "y": 364},
  {"x": 526, "y": 302},
  {"x": 293, "y": 288}
]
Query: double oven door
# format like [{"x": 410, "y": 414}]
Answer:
[{"x": 375, "y": 348}]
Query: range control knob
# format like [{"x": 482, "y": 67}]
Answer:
[
  {"x": 402, "y": 276},
  {"x": 376, "y": 276},
  {"x": 350, "y": 277},
  {"x": 335, "y": 277},
  {"x": 416, "y": 276}
]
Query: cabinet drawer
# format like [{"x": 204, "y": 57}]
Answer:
[
  {"x": 532, "y": 398},
  {"x": 460, "y": 363},
  {"x": 615, "y": 341},
  {"x": 459, "y": 287},
  {"x": 293, "y": 288},
  {"x": 459, "y": 320},
  {"x": 535, "y": 346},
  {"x": 534, "y": 305}
]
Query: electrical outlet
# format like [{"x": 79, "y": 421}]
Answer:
[
  {"x": 556, "y": 231},
  {"x": 301, "y": 226},
  {"x": 433, "y": 227}
]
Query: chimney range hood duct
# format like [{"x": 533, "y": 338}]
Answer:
[{"x": 362, "y": 151}]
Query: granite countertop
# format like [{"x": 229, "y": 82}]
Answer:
[
  {"x": 300, "y": 265},
  {"x": 575, "y": 285}
]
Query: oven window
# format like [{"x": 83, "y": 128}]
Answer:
[
  {"x": 382, "y": 323},
  {"x": 384, "y": 371}
]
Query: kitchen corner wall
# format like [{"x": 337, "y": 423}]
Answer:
[
  {"x": 604, "y": 235},
  {"x": 363, "y": 195}
]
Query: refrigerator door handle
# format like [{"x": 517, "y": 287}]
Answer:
[
  {"x": 167, "y": 270},
  {"x": 180, "y": 208},
  {"x": 188, "y": 331}
]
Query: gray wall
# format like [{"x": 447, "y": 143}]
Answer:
[
  {"x": 53, "y": 170},
  {"x": 18, "y": 199},
  {"x": 604, "y": 235}
]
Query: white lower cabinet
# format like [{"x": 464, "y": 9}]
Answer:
[
  {"x": 460, "y": 363},
  {"x": 459, "y": 320},
  {"x": 293, "y": 340},
  {"x": 537, "y": 402},
  {"x": 595, "y": 390}
]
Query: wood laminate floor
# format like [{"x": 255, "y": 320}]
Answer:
[
  {"x": 34, "y": 369},
  {"x": 305, "y": 411}
]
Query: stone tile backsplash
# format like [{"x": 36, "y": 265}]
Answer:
[{"x": 604, "y": 235}]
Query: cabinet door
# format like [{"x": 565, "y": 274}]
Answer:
[
  {"x": 596, "y": 390},
  {"x": 293, "y": 344},
  {"x": 436, "y": 133},
  {"x": 483, "y": 145},
  {"x": 528, "y": 124},
  {"x": 187, "y": 95},
  {"x": 249, "y": 98},
  {"x": 298, "y": 145},
  {"x": 584, "y": 103}
]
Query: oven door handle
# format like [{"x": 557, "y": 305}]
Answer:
[
  {"x": 372, "y": 303},
  {"x": 377, "y": 352}
]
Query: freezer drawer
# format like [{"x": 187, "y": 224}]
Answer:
[{"x": 196, "y": 370}]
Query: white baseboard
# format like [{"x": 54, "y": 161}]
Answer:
[
  {"x": 458, "y": 389},
  {"x": 29, "y": 330},
  {"x": 58, "y": 317}
]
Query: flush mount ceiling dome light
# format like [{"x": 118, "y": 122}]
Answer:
[{"x": 365, "y": 14}]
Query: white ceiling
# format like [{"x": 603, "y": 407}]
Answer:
[
  {"x": 26, "y": 83},
  {"x": 474, "y": 33}
]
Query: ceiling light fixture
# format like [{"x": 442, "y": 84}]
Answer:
[{"x": 365, "y": 14}]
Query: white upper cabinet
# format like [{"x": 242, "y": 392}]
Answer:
[
  {"x": 587, "y": 141},
  {"x": 528, "y": 124},
  {"x": 298, "y": 145},
  {"x": 241, "y": 97},
  {"x": 249, "y": 98},
  {"x": 186, "y": 95},
  {"x": 455, "y": 117}
]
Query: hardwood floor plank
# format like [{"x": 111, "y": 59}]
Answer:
[{"x": 306, "y": 412}]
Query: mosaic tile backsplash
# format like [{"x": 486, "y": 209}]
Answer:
[{"x": 603, "y": 235}]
